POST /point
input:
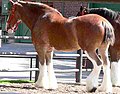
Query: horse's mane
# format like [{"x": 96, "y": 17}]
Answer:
[
  {"x": 38, "y": 6},
  {"x": 106, "y": 13},
  {"x": 34, "y": 4}
]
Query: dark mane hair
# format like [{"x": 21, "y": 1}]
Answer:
[{"x": 104, "y": 12}]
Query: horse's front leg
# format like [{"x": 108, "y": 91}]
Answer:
[
  {"x": 42, "y": 80},
  {"x": 51, "y": 74},
  {"x": 46, "y": 78}
]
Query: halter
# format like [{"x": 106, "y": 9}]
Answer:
[
  {"x": 13, "y": 14},
  {"x": 12, "y": 17}
]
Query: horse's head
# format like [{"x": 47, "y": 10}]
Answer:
[
  {"x": 83, "y": 11},
  {"x": 13, "y": 18}
]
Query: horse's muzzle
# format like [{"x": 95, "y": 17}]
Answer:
[
  {"x": 8, "y": 28},
  {"x": 14, "y": 27}
]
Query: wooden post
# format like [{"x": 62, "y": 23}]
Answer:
[
  {"x": 37, "y": 66},
  {"x": 63, "y": 6},
  {"x": 79, "y": 66},
  {"x": 0, "y": 39},
  {"x": 30, "y": 67}
]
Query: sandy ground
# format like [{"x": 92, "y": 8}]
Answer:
[{"x": 28, "y": 88}]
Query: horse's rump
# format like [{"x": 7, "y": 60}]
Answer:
[{"x": 86, "y": 34}]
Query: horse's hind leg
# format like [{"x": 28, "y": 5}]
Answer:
[
  {"x": 92, "y": 79},
  {"x": 115, "y": 66},
  {"x": 51, "y": 74},
  {"x": 106, "y": 85}
]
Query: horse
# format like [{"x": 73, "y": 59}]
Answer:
[
  {"x": 50, "y": 30},
  {"x": 114, "y": 18}
]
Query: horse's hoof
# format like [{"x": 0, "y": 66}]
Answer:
[
  {"x": 52, "y": 86},
  {"x": 38, "y": 86},
  {"x": 103, "y": 89},
  {"x": 49, "y": 87},
  {"x": 41, "y": 86},
  {"x": 116, "y": 85},
  {"x": 109, "y": 93},
  {"x": 93, "y": 89}
]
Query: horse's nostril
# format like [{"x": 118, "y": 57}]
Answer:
[{"x": 7, "y": 27}]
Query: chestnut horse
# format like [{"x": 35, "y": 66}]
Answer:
[
  {"x": 50, "y": 30},
  {"x": 114, "y": 18}
]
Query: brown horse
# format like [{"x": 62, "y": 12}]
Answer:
[
  {"x": 51, "y": 30},
  {"x": 114, "y": 18}
]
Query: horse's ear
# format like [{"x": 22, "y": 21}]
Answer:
[{"x": 12, "y": 1}]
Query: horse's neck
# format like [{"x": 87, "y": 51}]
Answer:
[
  {"x": 30, "y": 13},
  {"x": 28, "y": 17}
]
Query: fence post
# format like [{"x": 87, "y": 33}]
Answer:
[
  {"x": 79, "y": 66},
  {"x": 37, "y": 66},
  {"x": 0, "y": 35},
  {"x": 30, "y": 67}
]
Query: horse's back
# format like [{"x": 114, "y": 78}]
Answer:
[{"x": 91, "y": 18}]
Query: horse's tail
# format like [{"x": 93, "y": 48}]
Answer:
[{"x": 109, "y": 35}]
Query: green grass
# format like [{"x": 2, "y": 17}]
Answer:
[{"x": 16, "y": 81}]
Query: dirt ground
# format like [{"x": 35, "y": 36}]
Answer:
[{"x": 28, "y": 88}]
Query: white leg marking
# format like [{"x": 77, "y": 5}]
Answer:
[
  {"x": 43, "y": 77},
  {"x": 106, "y": 85},
  {"x": 51, "y": 76},
  {"x": 115, "y": 73},
  {"x": 92, "y": 79}
]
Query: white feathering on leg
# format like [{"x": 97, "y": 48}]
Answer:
[
  {"x": 106, "y": 85},
  {"x": 115, "y": 73},
  {"x": 92, "y": 79},
  {"x": 51, "y": 76},
  {"x": 43, "y": 77}
]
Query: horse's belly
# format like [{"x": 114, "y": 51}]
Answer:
[
  {"x": 63, "y": 42},
  {"x": 67, "y": 48}
]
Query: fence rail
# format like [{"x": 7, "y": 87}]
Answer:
[
  {"x": 36, "y": 69},
  {"x": 15, "y": 37}
]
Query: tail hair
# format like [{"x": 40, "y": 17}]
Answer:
[{"x": 109, "y": 35}]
